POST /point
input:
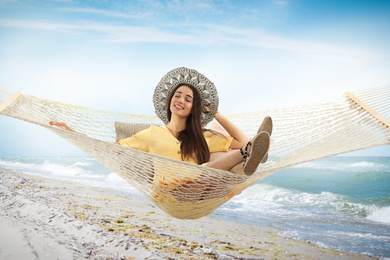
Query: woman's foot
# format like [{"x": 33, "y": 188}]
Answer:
[
  {"x": 266, "y": 126},
  {"x": 254, "y": 152}
]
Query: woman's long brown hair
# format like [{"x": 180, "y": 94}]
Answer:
[{"x": 193, "y": 143}]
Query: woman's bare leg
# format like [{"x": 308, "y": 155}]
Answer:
[
  {"x": 238, "y": 169},
  {"x": 227, "y": 161}
]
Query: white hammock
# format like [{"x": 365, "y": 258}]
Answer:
[{"x": 348, "y": 123}]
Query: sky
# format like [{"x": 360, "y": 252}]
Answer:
[{"x": 261, "y": 55}]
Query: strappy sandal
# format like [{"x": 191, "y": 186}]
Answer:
[
  {"x": 259, "y": 149},
  {"x": 266, "y": 126}
]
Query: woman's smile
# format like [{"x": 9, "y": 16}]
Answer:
[{"x": 179, "y": 107}]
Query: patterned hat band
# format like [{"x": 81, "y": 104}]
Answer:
[{"x": 182, "y": 76}]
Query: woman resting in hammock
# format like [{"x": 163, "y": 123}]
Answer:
[
  {"x": 185, "y": 101},
  {"x": 184, "y": 138}
]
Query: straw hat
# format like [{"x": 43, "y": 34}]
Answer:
[{"x": 206, "y": 89}]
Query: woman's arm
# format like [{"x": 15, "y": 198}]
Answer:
[{"x": 239, "y": 138}]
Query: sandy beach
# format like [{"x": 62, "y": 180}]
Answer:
[{"x": 51, "y": 219}]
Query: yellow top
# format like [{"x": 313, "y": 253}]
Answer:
[{"x": 160, "y": 141}]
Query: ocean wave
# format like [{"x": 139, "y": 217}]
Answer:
[
  {"x": 18, "y": 166},
  {"x": 380, "y": 215},
  {"x": 47, "y": 168},
  {"x": 82, "y": 170},
  {"x": 346, "y": 165},
  {"x": 270, "y": 193},
  {"x": 81, "y": 164},
  {"x": 258, "y": 194},
  {"x": 74, "y": 170},
  {"x": 368, "y": 166},
  {"x": 364, "y": 164},
  {"x": 359, "y": 235}
]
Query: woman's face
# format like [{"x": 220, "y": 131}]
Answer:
[{"x": 182, "y": 101}]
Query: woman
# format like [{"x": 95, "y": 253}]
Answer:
[{"x": 186, "y": 100}]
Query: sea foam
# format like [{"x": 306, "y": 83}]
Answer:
[
  {"x": 380, "y": 215},
  {"x": 260, "y": 194}
]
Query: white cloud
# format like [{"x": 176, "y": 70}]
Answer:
[
  {"x": 33, "y": 24},
  {"x": 4, "y": 2},
  {"x": 203, "y": 34},
  {"x": 281, "y": 3},
  {"x": 215, "y": 34},
  {"x": 112, "y": 33},
  {"x": 99, "y": 12}
]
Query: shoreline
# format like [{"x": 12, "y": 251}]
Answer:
[{"x": 43, "y": 218}]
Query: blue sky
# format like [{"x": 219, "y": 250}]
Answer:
[{"x": 260, "y": 54}]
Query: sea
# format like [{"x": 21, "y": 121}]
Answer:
[{"x": 341, "y": 203}]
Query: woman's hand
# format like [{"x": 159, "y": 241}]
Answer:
[
  {"x": 218, "y": 115},
  {"x": 61, "y": 125}
]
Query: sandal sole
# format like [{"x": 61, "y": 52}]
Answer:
[
  {"x": 266, "y": 126},
  {"x": 260, "y": 147}
]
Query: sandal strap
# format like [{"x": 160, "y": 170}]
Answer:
[
  {"x": 245, "y": 153},
  {"x": 246, "y": 148}
]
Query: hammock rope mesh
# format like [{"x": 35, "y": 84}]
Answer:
[{"x": 304, "y": 133}]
